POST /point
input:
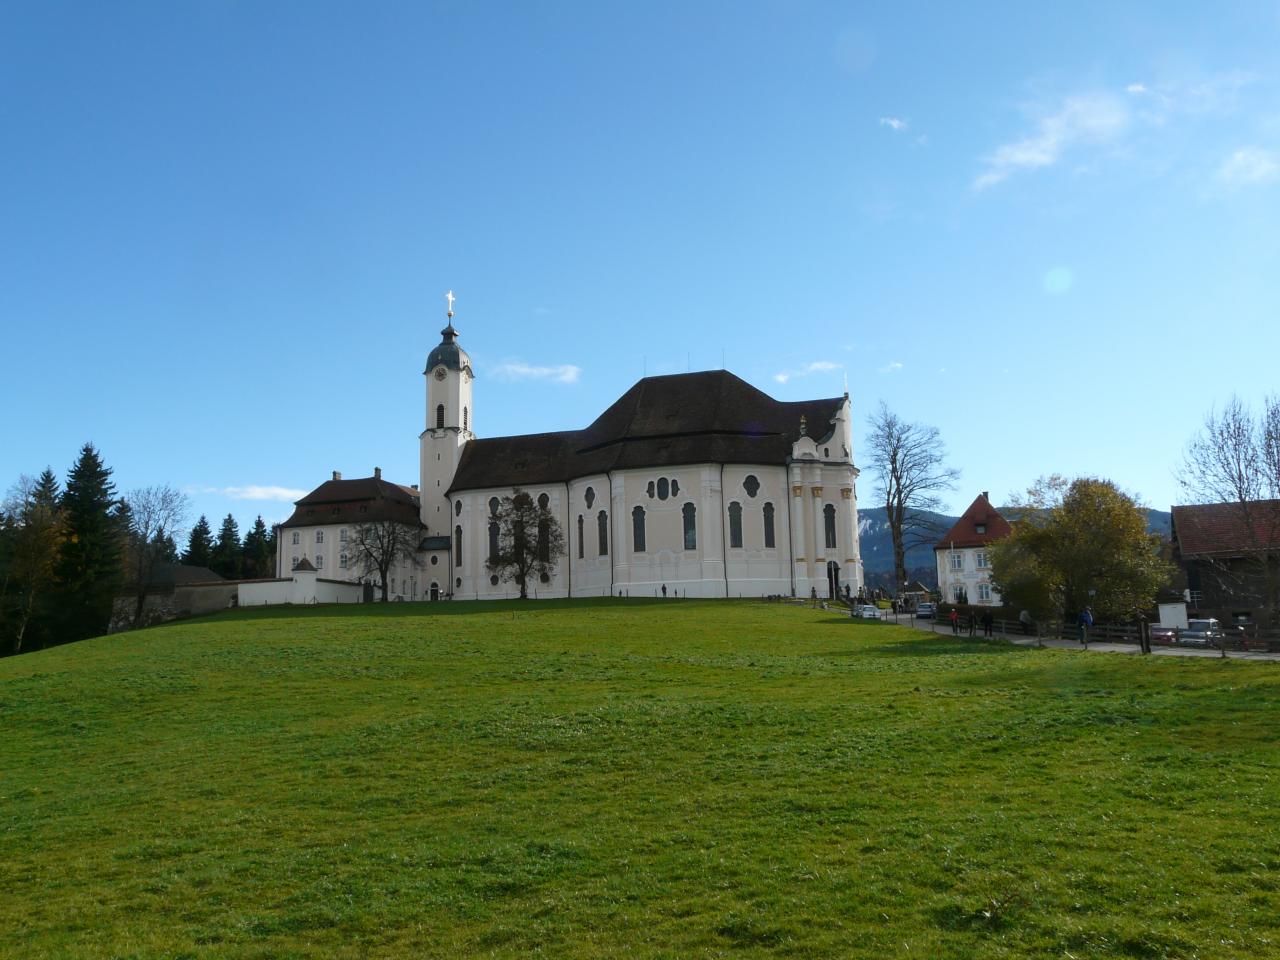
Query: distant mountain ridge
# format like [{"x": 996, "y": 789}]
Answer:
[{"x": 877, "y": 544}]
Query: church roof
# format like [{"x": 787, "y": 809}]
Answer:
[
  {"x": 708, "y": 417},
  {"x": 448, "y": 352},
  {"x": 977, "y": 527},
  {"x": 362, "y": 500}
]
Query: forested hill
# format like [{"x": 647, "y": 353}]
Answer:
[{"x": 877, "y": 544}]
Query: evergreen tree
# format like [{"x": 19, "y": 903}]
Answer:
[
  {"x": 227, "y": 553},
  {"x": 30, "y": 544},
  {"x": 165, "y": 549},
  {"x": 257, "y": 559},
  {"x": 199, "y": 552},
  {"x": 89, "y": 569}
]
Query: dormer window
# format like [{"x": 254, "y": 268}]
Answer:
[{"x": 980, "y": 528}]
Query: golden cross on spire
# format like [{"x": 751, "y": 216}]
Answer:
[{"x": 450, "y": 297}]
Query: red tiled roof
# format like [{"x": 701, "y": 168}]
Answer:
[
  {"x": 964, "y": 533},
  {"x": 1226, "y": 529}
]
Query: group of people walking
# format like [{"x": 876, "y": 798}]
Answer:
[{"x": 958, "y": 623}]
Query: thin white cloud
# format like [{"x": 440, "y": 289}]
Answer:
[
  {"x": 255, "y": 491},
  {"x": 893, "y": 366},
  {"x": 896, "y": 124},
  {"x": 1250, "y": 165},
  {"x": 1092, "y": 119},
  {"x": 1136, "y": 88},
  {"x": 818, "y": 366},
  {"x": 518, "y": 370}
]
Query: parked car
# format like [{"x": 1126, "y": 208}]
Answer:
[
  {"x": 1201, "y": 633},
  {"x": 1162, "y": 634},
  {"x": 867, "y": 612},
  {"x": 926, "y": 611}
]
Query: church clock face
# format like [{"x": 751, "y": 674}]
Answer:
[{"x": 440, "y": 373}]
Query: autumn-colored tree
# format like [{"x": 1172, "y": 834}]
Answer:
[{"x": 1079, "y": 543}]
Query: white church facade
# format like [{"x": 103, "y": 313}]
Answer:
[{"x": 697, "y": 482}]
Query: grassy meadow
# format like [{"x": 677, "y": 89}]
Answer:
[{"x": 629, "y": 778}]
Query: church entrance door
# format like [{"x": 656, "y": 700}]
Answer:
[
  {"x": 435, "y": 591},
  {"x": 833, "y": 579}
]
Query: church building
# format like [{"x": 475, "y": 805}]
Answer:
[{"x": 696, "y": 482}]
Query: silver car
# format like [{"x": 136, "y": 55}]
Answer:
[{"x": 1201, "y": 633}]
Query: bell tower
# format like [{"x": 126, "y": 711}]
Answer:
[{"x": 449, "y": 420}]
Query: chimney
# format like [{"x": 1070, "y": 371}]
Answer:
[
  {"x": 415, "y": 486},
  {"x": 337, "y": 475},
  {"x": 984, "y": 495},
  {"x": 377, "y": 473}
]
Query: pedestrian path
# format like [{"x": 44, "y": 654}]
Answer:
[{"x": 944, "y": 629}]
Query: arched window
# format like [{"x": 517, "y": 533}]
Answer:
[
  {"x": 581, "y": 546},
  {"x": 494, "y": 506},
  {"x": 602, "y": 527},
  {"x": 439, "y": 416},
  {"x": 675, "y": 486},
  {"x": 637, "y": 529},
  {"x": 735, "y": 524},
  {"x": 457, "y": 508},
  {"x": 690, "y": 526},
  {"x": 544, "y": 540},
  {"x": 543, "y": 501},
  {"x": 751, "y": 485},
  {"x": 768, "y": 526},
  {"x": 650, "y": 491},
  {"x": 457, "y": 546},
  {"x": 829, "y": 524},
  {"x": 664, "y": 488},
  {"x": 589, "y": 497},
  {"x": 464, "y": 418},
  {"x": 493, "y": 540}
]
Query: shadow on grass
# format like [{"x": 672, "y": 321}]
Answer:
[
  {"x": 426, "y": 608},
  {"x": 934, "y": 645}
]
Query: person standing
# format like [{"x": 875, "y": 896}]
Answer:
[
  {"x": 1024, "y": 618},
  {"x": 987, "y": 623},
  {"x": 973, "y": 623},
  {"x": 955, "y": 621},
  {"x": 664, "y": 591},
  {"x": 1086, "y": 621}
]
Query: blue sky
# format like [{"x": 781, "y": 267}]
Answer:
[{"x": 226, "y": 229}]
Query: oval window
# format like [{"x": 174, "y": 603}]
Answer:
[
  {"x": 751, "y": 485},
  {"x": 664, "y": 489}
]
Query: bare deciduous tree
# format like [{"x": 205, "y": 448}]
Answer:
[
  {"x": 155, "y": 514},
  {"x": 907, "y": 461},
  {"x": 377, "y": 545},
  {"x": 1235, "y": 460},
  {"x": 530, "y": 541}
]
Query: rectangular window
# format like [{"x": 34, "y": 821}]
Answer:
[
  {"x": 957, "y": 594},
  {"x": 319, "y": 561},
  {"x": 319, "y": 536},
  {"x": 768, "y": 526},
  {"x": 981, "y": 559},
  {"x": 984, "y": 592},
  {"x": 342, "y": 561},
  {"x": 295, "y": 538},
  {"x": 957, "y": 561},
  {"x": 342, "y": 535}
]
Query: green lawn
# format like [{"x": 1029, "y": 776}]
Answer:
[{"x": 629, "y": 778}]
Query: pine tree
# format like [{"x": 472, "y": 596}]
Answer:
[
  {"x": 257, "y": 561},
  {"x": 30, "y": 546},
  {"x": 89, "y": 569},
  {"x": 227, "y": 555},
  {"x": 166, "y": 550},
  {"x": 199, "y": 552}
]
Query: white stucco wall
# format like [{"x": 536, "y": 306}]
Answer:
[{"x": 970, "y": 575}]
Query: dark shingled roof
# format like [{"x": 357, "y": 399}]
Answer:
[
  {"x": 965, "y": 533},
  {"x": 1223, "y": 529},
  {"x": 305, "y": 564},
  {"x": 709, "y": 417},
  {"x": 448, "y": 352},
  {"x": 355, "y": 501}
]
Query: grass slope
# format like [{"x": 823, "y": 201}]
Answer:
[{"x": 633, "y": 778}]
